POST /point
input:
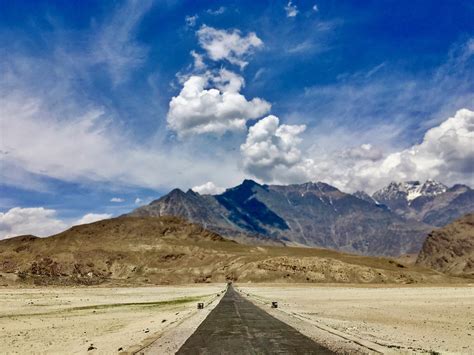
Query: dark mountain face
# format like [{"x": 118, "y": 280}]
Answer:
[
  {"x": 224, "y": 218},
  {"x": 431, "y": 202},
  {"x": 310, "y": 214},
  {"x": 247, "y": 211}
]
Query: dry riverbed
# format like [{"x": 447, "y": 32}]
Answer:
[
  {"x": 388, "y": 319},
  {"x": 104, "y": 320}
]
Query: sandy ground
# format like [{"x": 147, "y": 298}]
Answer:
[
  {"x": 106, "y": 320},
  {"x": 385, "y": 319}
]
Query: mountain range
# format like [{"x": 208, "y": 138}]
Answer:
[
  {"x": 394, "y": 221},
  {"x": 430, "y": 202}
]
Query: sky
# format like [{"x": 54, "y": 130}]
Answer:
[{"x": 107, "y": 105}]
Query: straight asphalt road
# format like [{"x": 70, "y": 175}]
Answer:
[{"x": 236, "y": 326}]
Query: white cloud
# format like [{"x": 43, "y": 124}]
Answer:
[
  {"x": 218, "y": 11},
  {"x": 198, "y": 60},
  {"x": 445, "y": 154},
  {"x": 209, "y": 188},
  {"x": 41, "y": 142},
  {"x": 363, "y": 152},
  {"x": 199, "y": 109},
  {"x": 92, "y": 217},
  {"x": 291, "y": 9},
  {"x": 228, "y": 45},
  {"x": 38, "y": 221},
  {"x": 114, "y": 45},
  {"x": 191, "y": 20},
  {"x": 117, "y": 199},
  {"x": 315, "y": 8},
  {"x": 271, "y": 151},
  {"x": 305, "y": 46},
  {"x": 138, "y": 201},
  {"x": 51, "y": 127}
]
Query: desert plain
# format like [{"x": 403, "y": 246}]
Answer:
[
  {"x": 99, "y": 320},
  {"x": 387, "y": 319},
  {"x": 346, "y": 318}
]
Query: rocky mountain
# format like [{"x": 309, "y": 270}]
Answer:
[
  {"x": 310, "y": 214},
  {"x": 451, "y": 248},
  {"x": 430, "y": 202},
  {"x": 208, "y": 212},
  {"x": 365, "y": 196},
  {"x": 168, "y": 250}
]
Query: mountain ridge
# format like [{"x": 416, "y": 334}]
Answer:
[
  {"x": 310, "y": 214},
  {"x": 432, "y": 203}
]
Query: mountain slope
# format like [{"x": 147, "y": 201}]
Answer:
[
  {"x": 168, "y": 250},
  {"x": 431, "y": 202},
  {"x": 311, "y": 214},
  {"x": 208, "y": 212},
  {"x": 451, "y": 249}
]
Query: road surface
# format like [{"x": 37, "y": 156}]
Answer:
[{"x": 236, "y": 326}]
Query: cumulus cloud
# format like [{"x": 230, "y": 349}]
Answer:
[
  {"x": 228, "y": 45},
  {"x": 315, "y": 8},
  {"x": 200, "y": 108},
  {"x": 209, "y": 188},
  {"x": 271, "y": 152},
  {"x": 92, "y": 217},
  {"x": 117, "y": 199},
  {"x": 38, "y": 221},
  {"x": 446, "y": 154},
  {"x": 291, "y": 9}
]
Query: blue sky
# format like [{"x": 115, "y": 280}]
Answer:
[{"x": 125, "y": 100}]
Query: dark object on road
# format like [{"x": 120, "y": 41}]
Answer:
[
  {"x": 237, "y": 326},
  {"x": 274, "y": 304},
  {"x": 200, "y": 305}
]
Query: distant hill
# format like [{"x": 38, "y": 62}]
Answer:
[
  {"x": 310, "y": 214},
  {"x": 451, "y": 248},
  {"x": 430, "y": 202},
  {"x": 168, "y": 250}
]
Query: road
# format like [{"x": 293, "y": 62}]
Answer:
[{"x": 237, "y": 326}]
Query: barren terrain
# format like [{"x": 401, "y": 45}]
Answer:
[
  {"x": 166, "y": 251},
  {"x": 388, "y": 319},
  {"x": 104, "y": 320}
]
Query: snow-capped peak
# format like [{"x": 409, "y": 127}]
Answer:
[
  {"x": 411, "y": 190},
  {"x": 429, "y": 188}
]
